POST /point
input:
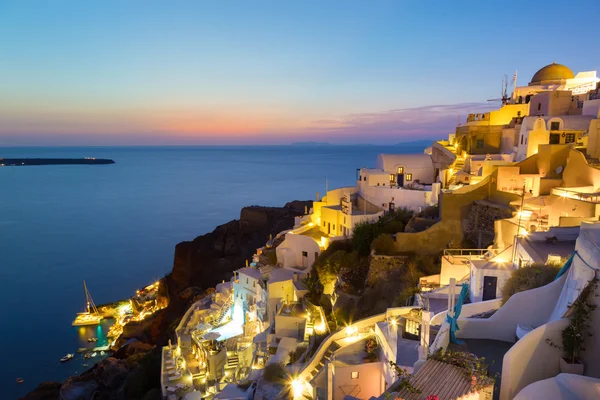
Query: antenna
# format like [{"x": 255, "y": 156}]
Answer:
[
  {"x": 503, "y": 92},
  {"x": 514, "y": 93}
]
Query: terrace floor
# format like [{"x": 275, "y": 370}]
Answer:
[{"x": 492, "y": 350}]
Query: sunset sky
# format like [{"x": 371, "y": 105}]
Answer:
[{"x": 254, "y": 72}]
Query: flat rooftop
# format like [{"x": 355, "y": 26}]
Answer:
[
  {"x": 314, "y": 233},
  {"x": 542, "y": 249}
]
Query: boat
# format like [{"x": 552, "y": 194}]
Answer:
[
  {"x": 91, "y": 316},
  {"x": 94, "y": 354},
  {"x": 87, "y": 355},
  {"x": 67, "y": 358},
  {"x": 92, "y": 339},
  {"x": 20, "y": 380},
  {"x": 102, "y": 352}
]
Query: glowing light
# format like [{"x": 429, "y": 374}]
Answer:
[
  {"x": 500, "y": 260},
  {"x": 525, "y": 214},
  {"x": 393, "y": 322},
  {"x": 297, "y": 388},
  {"x": 320, "y": 328}
]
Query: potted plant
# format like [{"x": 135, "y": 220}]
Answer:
[{"x": 574, "y": 335}]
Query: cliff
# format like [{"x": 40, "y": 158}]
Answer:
[{"x": 198, "y": 265}]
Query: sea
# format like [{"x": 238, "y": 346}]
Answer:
[{"x": 116, "y": 226}]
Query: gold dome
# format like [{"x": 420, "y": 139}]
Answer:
[{"x": 552, "y": 72}]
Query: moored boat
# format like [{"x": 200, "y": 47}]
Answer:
[
  {"x": 91, "y": 316},
  {"x": 67, "y": 357}
]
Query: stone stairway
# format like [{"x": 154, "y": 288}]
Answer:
[
  {"x": 223, "y": 312},
  {"x": 333, "y": 347}
]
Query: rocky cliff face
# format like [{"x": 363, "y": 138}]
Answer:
[{"x": 198, "y": 265}]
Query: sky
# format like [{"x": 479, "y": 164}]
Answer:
[{"x": 270, "y": 72}]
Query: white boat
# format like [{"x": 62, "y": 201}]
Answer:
[
  {"x": 67, "y": 357},
  {"x": 94, "y": 354},
  {"x": 102, "y": 352},
  {"x": 91, "y": 316}
]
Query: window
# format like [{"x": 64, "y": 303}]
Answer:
[
  {"x": 246, "y": 281},
  {"x": 354, "y": 375},
  {"x": 539, "y": 106},
  {"x": 400, "y": 170},
  {"x": 554, "y": 126},
  {"x": 324, "y": 223},
  {"x": 522, "y": 136},
  {"x": 408, "y": 177},
  {"x": 480, "y": 143},
  {"x": 412, "y": 327},
  {"x": 304, "y": 254},
  {"x": 365, "y": 179},
  {"x": 570, "y": 138},
  {"x": 554, "y": 138},
  {"x": 253, "y": 283},
  {"x": 392, "y": 178},
  {"x": 334, "y": 227}
]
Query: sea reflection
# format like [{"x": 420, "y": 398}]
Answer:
[{"x": 85, "y": 335}]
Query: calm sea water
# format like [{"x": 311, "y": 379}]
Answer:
[{"x": 116, "y": 226}]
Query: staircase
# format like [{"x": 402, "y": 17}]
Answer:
[
  {"x": 333, "y": 347},
  {"x": 223, "y": 312},
  {"x": 457, "y": 166},
  {"x": 310, "y": 328},
  {"x": 232, "y": 362}
]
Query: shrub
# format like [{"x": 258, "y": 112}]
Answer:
[
  {"x": 274, "y": 373},
  {"x": 527, "y": 278},
  {"x": 384, "y": 244},
  {"x": 364, "y": 234},
  {"x": 393, "y": 227}
]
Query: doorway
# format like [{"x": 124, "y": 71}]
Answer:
[
  {"x": 400, "y": 177},
  {"x": 328, "y": 228},
  {"x": 489, "y": 287}
]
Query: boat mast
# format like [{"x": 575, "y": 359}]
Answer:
[{"x": 91, "y": 307}]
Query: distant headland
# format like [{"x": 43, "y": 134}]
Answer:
[{"x": 18, "y": 162}]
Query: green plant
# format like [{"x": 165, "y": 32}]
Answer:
[
  {"x": 527, "y": 278},
  {"x": 574, "y": 336},
  {"x": 403, "y": 378},
  {"x": 371, "y": 347},
  {"x": 384, "y": 244},
  {"x": 274, "y": 373}
]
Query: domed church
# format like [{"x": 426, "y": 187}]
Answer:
[
  {"x": 556, "y": 77},
  {"x": 552, "y": 74}
]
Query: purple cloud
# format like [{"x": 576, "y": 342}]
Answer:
[{"x": 404, "y": 124}]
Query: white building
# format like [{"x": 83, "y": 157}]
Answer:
[
  {"x": 400, "y": 180},
  {"x": 563, "y": 129},
  {"x": 249, "y": 294},
  {"x": 301, "y": 248}
]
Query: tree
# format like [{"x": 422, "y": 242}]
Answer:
[{"x": 384, "y": 244}]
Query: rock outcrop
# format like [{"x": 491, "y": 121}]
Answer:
[{"x": 198, "y": 265}]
